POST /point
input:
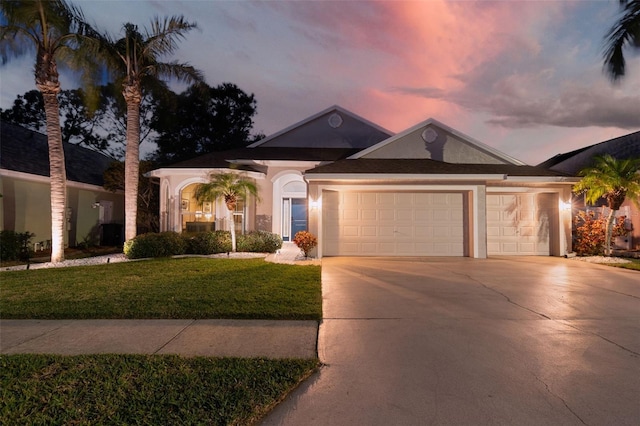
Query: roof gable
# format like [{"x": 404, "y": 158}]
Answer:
[
  {"x": 334, "y": 127},
  {"x": 436, "y": 141},
  {"x": 26, "y": 151}
]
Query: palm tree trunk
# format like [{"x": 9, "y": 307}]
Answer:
[
  {"x": 232, "y": 228},
  {"x": 610, "y": 220},
  {"x": 132, "y": 97},
  {"x": 57, "y": 171}
]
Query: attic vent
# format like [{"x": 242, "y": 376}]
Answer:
[
  {"x": 429, "y": 135},
  {"x": 335, "y": 120}
]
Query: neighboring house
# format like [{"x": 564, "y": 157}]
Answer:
[
  {"x": 94, "y": 215},
  {"x": 428, "y": 191},
  {"x": 571, "y": 163}
]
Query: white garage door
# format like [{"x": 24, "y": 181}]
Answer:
[
  {"x": 392, "y": 224},
  {"x": 519, "y": 224}
]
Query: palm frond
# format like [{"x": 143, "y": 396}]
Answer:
[
  {"x": 625, "y": 33},
  {"x": 183, "y": 72},
  {"x": 227, "y": 185},
  {"x": 164, "y": 35},
  {"x": 609, "y": 176}
]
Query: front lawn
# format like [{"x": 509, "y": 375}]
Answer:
[
  {"x": 165, "y": 288},
  {"x": 634, "y": 264},
  {"x": 143, "y": 390}
]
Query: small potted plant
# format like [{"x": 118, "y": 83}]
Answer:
[{"x": 306, "y": 241}]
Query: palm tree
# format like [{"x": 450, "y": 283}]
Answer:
[
  {"x": 55, "y": 30},
  {"x": 613, "y": 179},
  {"x": 134, "y": 59},
  {"x": 233, "y": 188},
  {"x": 626, "y": 32}
]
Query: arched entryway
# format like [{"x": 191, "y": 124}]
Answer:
[
  {"x": 290, "y": 205},
  {"x": 208, "y": 215}
]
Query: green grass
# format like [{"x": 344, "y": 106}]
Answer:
[
  {"x": 143, "y": 389},
  {"x": 165, "y": 288},
  {"x": 634, "y": 265}
]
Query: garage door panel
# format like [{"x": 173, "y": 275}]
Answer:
[
  {"x": 385, "y": 247},
  {"x": 492, "y": 215},
  {"x": 457, "y": 234},
  {"x": 440, "y": 199},
  {"x": 402, "y": 224},
  {"x": 349, "y": 248},
  {"x": 369, "y": 231},
  {"x": 530, "y": 247},
  {"x": 385, "y": 231},
  {"x": 367, "y": 199},
  {"x": 493, "y": 231},
  {"x": 441, "y": 215},
  {"x": 441, "y": 232},
  {"x": 509, "y": 248},
  {"x": 406, "y": 248},
  {"x": 527, "y": 231},
  {"x": 404, "y": 215},
  {"x": 369, "y": 214},
  {"x": 386, "y": 199},
  {"x": 528, "y": 215},
  {"x": 509, "y": 231},
  {"x": 349, "y": 200},
  {"x": 386, "y": 214},
  {"x": 404, "y": 199},
  {"x": 423, "y": 231},
  {"x": 422, "y": 215},
  {"x": 349, "y": 214},
  {"x": 457, "y": 215},
  {"x": 421, "y": 199},
  {"x": 351, "y": 231}
]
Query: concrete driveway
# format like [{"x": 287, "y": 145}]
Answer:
[{"x": 460, "y": 341}]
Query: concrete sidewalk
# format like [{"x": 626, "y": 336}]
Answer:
[
  {"x": 207, "y": 337},
  {"x": 216, "y": 338}
]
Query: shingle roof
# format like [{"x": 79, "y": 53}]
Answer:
[
  {"x": 334, "y": 127},
  {"x": 26, "y": 151},
  {"x": 426, "y": 166},
  {"x": 223, "y": 159},
  {"x": 627, "y": 146}
]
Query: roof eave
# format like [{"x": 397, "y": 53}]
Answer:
[
  {"x": 164, "y": 172},
  {"x": 402, "y": 176},
  {"x": 555, "y": 179}
]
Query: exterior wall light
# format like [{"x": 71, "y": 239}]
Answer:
[{"x": 565, "y": 206}]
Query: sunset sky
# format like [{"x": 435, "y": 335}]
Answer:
[{"x": 524, "y": 77}]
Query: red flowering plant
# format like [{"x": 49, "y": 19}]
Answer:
[
  {"x": 589, "y": 234},
  {"x": 306, "y": 241}
]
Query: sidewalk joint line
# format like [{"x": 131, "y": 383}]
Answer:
[{"x": 175, "y": 337}]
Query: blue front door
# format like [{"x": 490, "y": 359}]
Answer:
[{"x": 294, "y": 212}]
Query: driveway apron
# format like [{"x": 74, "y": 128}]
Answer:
[{"x": 460, "y": 341}]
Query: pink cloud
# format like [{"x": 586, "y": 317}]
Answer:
[{"x": 428, "y": 45}]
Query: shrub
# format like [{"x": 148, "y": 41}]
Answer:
[
  {"x": 259, "y": 242},
  {"x": 163, "y": 244},
  {"x": 306, "y": 241},
  {"x": 590, "y": 232},
  {"x": 15, "y": 245},
  {"x": 211, "y": 242}
]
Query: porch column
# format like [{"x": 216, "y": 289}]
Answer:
[
  {"x": 478, "y": 222},
  {"x": 314, "y": 212}
]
